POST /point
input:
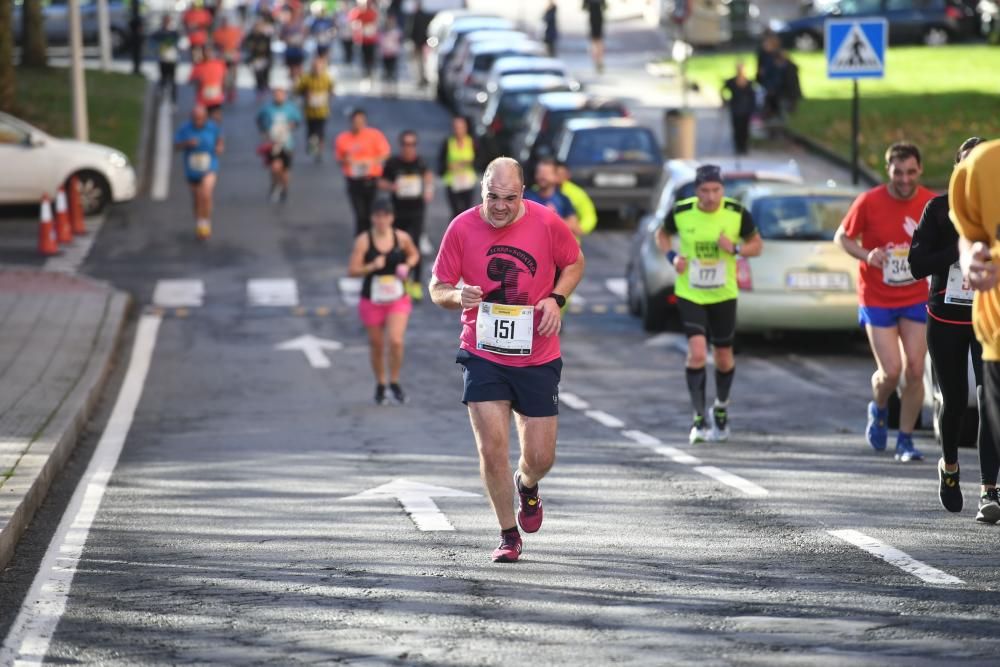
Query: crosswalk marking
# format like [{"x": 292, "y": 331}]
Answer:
[
  {"x": 272, "y": 292},
  {"x": 184, "y": 293},
  {"x": 896, "y": 558}
]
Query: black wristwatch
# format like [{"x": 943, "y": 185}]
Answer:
[{"x": 560, "y": 299}]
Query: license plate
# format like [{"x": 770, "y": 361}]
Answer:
[
  {"x": 817, "y": 280},
  {"x": 615, "y": 180}
]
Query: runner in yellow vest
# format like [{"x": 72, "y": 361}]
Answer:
[
  {"x": 713, "y": 232},
  {"x": 586, "y": 213},
  {"x": 456, "y": 165},
  {"x": 316, "y": 88}
]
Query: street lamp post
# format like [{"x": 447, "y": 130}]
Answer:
[
  {"x": 78, "y": 84},
  {"x": 104, "y": 34}
]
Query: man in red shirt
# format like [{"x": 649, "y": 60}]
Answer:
[
  {"x": 364, "y": 26},
  {"x": 878, "y": 231},
  {"x": 517, "y": 262},
  {"x": 197, "y": 20}
]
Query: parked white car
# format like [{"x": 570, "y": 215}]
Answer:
[{"x": 33, "y": 163}]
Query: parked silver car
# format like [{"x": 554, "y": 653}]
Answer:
[{"x": 649, "y": 278}]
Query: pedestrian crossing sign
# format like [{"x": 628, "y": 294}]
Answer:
[{"x": 856, "y": 48}]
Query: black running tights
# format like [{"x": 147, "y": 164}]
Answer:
[{"x": 949, "y": 346}]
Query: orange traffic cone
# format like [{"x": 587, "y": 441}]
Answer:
[
  {"x": 47, "y": 244},
  {"x": 76, "y": 208},
  {"x": 64, "y": 233}
]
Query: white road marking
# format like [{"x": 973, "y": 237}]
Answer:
[
  {"x": 179, "y": 293},
  {"x": 895, "y": 557},
  {"x": 28, "y": 641},
  {"x": 160, "y": 186},
  {"x": 312, "y": 347},
  {"x": 604, "y": 418},
  {"x": 70, "y": 259},
  {"x": 272, "y": 292},
  {"x": 642, "y": 438},
  {"x": 618, "y": 287},
  {"x": 417, "y": 501},
  {"x": 578, "y": 300},
  {"x": 573, "y": 401},
  {"x": 678, "y": 456},
  {"x": 735, "y": 481},
  {"x": 350, "y": 290}
]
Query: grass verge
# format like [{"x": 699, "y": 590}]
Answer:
[
  {"x": 934, "y": 97},
  {"x": 114, "y": 105}
]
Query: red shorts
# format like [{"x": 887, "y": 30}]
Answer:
[{"x": 375, "y": 314}]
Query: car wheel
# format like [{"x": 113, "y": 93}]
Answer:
[
  {"x": 936, "y": 36},
  {"x": 95, "y": 193},
  {"x": 806, "y": 41},
  {"x": 632, "y": 294}
]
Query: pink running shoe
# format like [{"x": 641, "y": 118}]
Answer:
[
  {"x": 509, "y": 550},
  {"x": 529, "y": 507}
]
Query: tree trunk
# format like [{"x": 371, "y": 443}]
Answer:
[
  {"x": 6, "y": 54},
  {"x": 33, "y": 53}
]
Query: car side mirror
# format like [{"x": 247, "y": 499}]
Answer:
[{"x": 35, "y": 140}]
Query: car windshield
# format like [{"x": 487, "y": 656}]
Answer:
[
  {"x": 553, "y": 123},
  {"x": 730, "y": 185},
  {"x": 613, "y": 145},
  {"x": 800, "y": 217},
  {"x": 513, "y": 105}
]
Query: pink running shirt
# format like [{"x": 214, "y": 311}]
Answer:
[{"x": 514, "y": 265}]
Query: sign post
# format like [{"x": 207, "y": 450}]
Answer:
[{"x": 856, "y": 49}]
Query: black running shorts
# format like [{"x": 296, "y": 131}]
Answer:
[
  {"x": 715, "y": 321},
  {"x": 533, "y": 391}
]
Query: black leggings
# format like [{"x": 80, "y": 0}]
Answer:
[
  {"x": 361, "y": 192},
  {"x": 990, "y": 405},
  {"x": 949, "y": 346},
  {"x": 460, "y": 201},
  {"x": 414, "y": 226}
]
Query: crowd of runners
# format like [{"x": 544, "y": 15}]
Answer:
[{"x": 511, "y": 263}]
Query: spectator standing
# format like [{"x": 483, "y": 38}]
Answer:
[
  {"x": 739, "y": 94},
  {"x": 166, "y": 41},
  {"x": 390, "y": 44},
  {"x": 417, "y": 30},
  {"x": 551, "y": 29},
  {"x": 595, "y": 13}
]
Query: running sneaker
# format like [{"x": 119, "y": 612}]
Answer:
[
  {"x": 948, "y": 490},
  {"x": 877, "y": 432},
  {"x": 397, "y": 393},
  {"x": 529, "y": 507},
  {"x": 905, "y": 451},
  {"x": 203, "y": 230},
  {"x": 510, "y": 548},
  {"x": 720, "y": 424},
  {"x": 275, "y": 194},
  {"x": 989, "y": 507},
  {"x": 415, "y": 290},
  {"x": 700, "y": 432},
  {"x": 380, "y": 394}
]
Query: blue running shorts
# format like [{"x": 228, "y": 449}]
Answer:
[
  {"x": 533, "y": 391},
  {"x": 878, "y": 316}
]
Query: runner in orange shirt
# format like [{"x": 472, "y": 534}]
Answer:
[
  {"x": 227, "y": 39},
  {"x": 209, "y": 77},
  {"x": 197, "y": 22},
  {"x": 361, "y": 152}
]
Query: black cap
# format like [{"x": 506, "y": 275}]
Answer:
[
  {"x": 707, "y": 173},
  {"x": 382, "y": 205}
]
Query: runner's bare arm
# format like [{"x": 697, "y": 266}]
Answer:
[
  {"x": 752, "y": 247},
  {"x": 454, "y": 298},
  {"x": 356, "y": 266},
  {"x": 409, "y": 249},
  {"x": 875, "y": 257}
]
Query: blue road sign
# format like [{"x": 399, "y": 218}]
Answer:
[{"x": 856, "y": 48}]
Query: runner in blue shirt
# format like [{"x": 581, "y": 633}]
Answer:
[
  {"x": 277, "y": 122},
  {"x": 201, "y": 141},
  {"x": 546, "y": 192}
]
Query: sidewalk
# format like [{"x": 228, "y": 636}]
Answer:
[{"x": 58, "y": 336}]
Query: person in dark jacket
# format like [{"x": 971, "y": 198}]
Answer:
[
  {"x": 950, "y": 339},
  {"x": 595, "y": 12},
  {"x": 417, "y": 32},
  {"x": 551, "y": 29},
  {"x": 740, "y": 95}
]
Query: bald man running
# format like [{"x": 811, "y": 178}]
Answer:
[{"x": 518, "y": 261}]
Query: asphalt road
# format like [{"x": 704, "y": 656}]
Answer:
[{"x": 227, "y": 533}]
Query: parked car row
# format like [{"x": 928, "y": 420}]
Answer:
[{"x": 526, "y": 105}]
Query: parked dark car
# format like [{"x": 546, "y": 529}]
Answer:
[
  {"x": 56, "y": 16},
  {"x": 616, "y": 160},
  {"x": 507, "y": 109},
  {"x": 546, "y": 120},
  {"x": 931, "y": 22}
]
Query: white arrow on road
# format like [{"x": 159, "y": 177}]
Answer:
[
  {"x": 313, "y": 348},
  {"x": 415, "y": 497}
]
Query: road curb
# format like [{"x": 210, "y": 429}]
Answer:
[
  {"x": 35, "y": 472},
  {"x": 868, "y": 177}
]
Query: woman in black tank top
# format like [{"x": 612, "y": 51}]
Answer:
[{"x": 384, "y": 257}]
